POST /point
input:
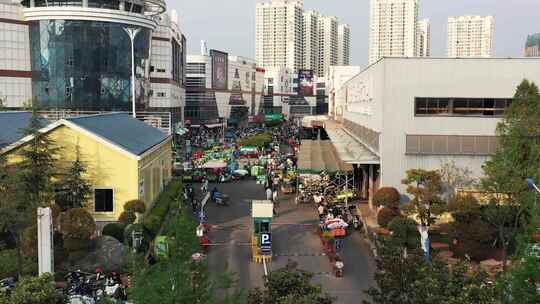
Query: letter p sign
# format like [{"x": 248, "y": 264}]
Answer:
[{"x": 266, "y": 243}]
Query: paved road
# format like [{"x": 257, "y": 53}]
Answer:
[{"x": 293, "y": 237}]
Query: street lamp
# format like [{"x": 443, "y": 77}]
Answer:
[{"x": 132, "y": 33}]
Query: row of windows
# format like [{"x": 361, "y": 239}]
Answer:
[
  {"x": 196, "y": 68},
  {"x": 105, "y": 4},
  {"x": 461, "y": 106}
]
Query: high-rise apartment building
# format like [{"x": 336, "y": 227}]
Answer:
[
  {"x": 423, "y": 38},
  {"x": 287, "y": 36},
  {"x": 470, "y": 36},
  {"x": 279, "y": 36},
  {"x": 328, "y": 44},
  {"x": 344, "y": 44},
  {"x": 311, "y": 40},
  {"x": 393, "y": 25},
  {"x": 532, "y": 47}
]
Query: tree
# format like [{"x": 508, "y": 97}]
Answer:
[
  {"x": 77, "y": 227},
  {"x": 425, "y": 188},
  {"x": 74, "y": 189},
  {"x": 472, "y": 234},
  {"x": 517, "y": 158},
  {"x": 523, "y": 280},
  {"x": 37, "y": 167},
  {"x": 287, "y": 286},
  {"x": 454, "y": 177},
  {"x": 28, "y": 184},
  {"x": 387, "y": 197},
  {"x": 34, "y": 290},
  {"x": 409, "y": 280}
]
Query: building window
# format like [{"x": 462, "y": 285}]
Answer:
[
  {"x": 160, "y": 94},
  {"x": 161, "y": 70},
  {"x": 103, "y": 200},
  {"x": 433, "y": 106}
]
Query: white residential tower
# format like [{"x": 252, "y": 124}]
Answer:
[
  {"x": 279, "y": 34},
  {"x": 470, "y": 36},
  {"x": 393, "y": 25},
  {"x": 344, "y": 44},
  {"x": 423, "y": 38}
]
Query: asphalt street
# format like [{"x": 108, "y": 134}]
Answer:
[{"x": 293, "y": 237}]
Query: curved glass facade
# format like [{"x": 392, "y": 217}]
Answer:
[{"x": 86, "y": 65}]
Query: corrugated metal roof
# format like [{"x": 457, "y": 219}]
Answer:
[
  {"x": 11, "y": 125},
  {"x": 122, "y": 130}
]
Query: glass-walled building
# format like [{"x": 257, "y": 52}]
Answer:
[{"x": 81, "y": 54}]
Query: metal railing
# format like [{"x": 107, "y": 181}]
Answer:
[{"x": 160, "y": 120}]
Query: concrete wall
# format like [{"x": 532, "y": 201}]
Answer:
[{"x": 382, "y": 98}]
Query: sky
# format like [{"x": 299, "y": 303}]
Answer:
[{"x": 229, "y": 25}]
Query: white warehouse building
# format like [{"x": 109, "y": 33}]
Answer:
[{"x": 408, "y": 113}]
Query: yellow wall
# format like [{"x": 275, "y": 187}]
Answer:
[{"x": 155, "y": 172}]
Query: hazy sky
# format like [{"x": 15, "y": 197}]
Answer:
[{"x": 229, "y": 25}]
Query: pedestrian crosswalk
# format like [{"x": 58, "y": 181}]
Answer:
[{"x": 312, "y": 254}]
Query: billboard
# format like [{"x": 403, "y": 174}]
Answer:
[
  {"x": 305, "y": 82},
  {"x": 220, "y": 70}
]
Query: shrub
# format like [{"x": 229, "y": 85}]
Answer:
[
  {"x": 36, "y": 290},
  {"x": 404, "y": 231},
  {"x": 78, "y": 223},
  {"x": 29, "y": 242},
  {"x": 135, "y": 206},
  {"x": 116, "y": 230},
  {"x": 78, "y": 227},
  {"x": 387, "y": 197},
  {"x": 156, "y": 216},
  {"x": 8, "y": 263},
  {"x": 127, "y": 217},
  {"x": 385, "y": 216}
]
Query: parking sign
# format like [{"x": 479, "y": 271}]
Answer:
[{"x": 266, "y": 242}]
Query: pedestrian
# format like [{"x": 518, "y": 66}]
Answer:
[
  {"x": 321, "y": 212},
  {"x": 205, "y": 185},
  {"x": 274, "y": 196}
]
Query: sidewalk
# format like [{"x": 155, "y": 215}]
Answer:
[{"x": 371, "y": 227}]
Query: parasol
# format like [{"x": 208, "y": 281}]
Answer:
[
  {"x": 241, "y": 172},
  {"x": 214, "y": 164},
  {"x": 336, "y": 223}
]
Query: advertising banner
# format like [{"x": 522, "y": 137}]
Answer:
[
  {"x": 273, "y": 117},
  {"x": 220, "y": 70},
  {"x": 305, "y": 82}
]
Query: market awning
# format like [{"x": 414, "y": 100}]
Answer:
[
  {"x": 316, "y": 156},
  {"x": 349, "y": 149}
]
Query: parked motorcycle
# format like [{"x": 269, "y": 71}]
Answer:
[{"x": 7, "y": 285}]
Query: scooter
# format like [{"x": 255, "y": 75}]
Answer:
[
  {"x": 7, "y": 285},
  {"x": 114, "y": 287},
  {"x": 222, "y": 199}
]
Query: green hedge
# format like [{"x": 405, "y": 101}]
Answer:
[
  {"x": 156, "y": 216},
  {"x": 257, "y": 140},
  {"x": 116, "y": 230}
]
